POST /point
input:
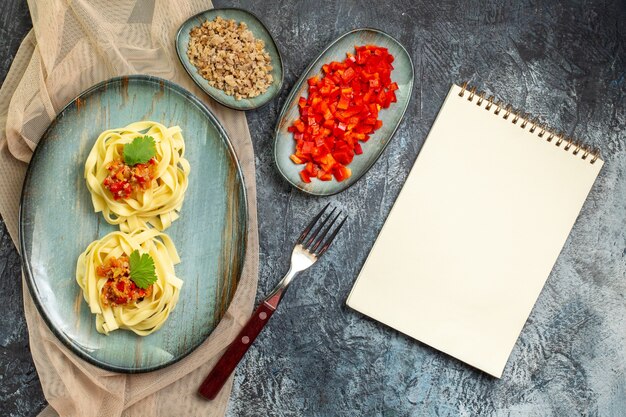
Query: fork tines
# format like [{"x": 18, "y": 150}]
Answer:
[{"x": 315, "y": 242}]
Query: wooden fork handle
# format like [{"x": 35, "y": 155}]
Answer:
[{"x": 229, "y": 360}]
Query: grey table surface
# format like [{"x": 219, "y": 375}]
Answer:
[{"x": 562, "y": 61}]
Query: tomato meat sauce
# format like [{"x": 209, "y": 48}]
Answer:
[
  {"x": 341, "y": 111},
  {"x": 124, "y": 180},
  {"x": 119, "y": 289}
]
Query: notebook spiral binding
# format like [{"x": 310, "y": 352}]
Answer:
[{"x": 525, "y": 120}]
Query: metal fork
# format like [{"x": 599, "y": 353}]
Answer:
[{"x": 312, "y": 243}]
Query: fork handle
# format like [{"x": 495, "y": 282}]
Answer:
[{"x": 229, "y": 360}]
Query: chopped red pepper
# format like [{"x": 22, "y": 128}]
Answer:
[
  {"x": 341, "y": 111},
  {"x": 123, "y": 180},
  {"x": 305, "y": 176}
]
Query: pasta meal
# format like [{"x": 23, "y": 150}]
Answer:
[
  {"x": 128, "y": 280},
  {"x": 137, "y": 175}
]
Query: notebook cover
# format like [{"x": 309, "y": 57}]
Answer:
[{"x": 474, "y": 233}]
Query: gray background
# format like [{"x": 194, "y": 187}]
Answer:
[{"x": 562, "y": 61}]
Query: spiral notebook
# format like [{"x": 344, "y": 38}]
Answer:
[{"x": 476, "y": 230}]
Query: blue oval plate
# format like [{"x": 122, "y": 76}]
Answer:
[
  {"x": 57, "y": 222},
  {"x": 284, "y": 144},
  {"x": 259, "y": 31}
]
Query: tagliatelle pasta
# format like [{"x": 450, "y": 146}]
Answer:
[
  {"x": 157, "y": 205},
  {"x": 143, "y": 316}
]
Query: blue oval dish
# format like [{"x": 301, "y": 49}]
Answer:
[
  {"x": 259, "y": 31},
  {"x": 284, "y": 144},
  {"x": 57, "y": 222}
]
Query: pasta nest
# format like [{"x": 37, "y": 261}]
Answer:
[
  {"x": 142, "y": 317},
  {"x": 160, "y": 204}
]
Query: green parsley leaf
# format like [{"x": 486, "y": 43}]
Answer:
[
  {"x": 140, "y": 150},
  {"x": 142, "y": 270}
]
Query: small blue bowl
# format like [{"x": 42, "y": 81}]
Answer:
[
  {"x": 259, "y": 31},
  {"x": 284, "y": 144}
]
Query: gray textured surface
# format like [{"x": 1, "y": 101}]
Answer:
[
  {"x": 20, "y": 392},
  {"x": 564, "y": 62}
]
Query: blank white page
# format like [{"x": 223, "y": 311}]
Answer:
[{"x": 474, "y": 233}]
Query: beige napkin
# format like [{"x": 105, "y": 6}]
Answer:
[{"x": 73, "y": 45}]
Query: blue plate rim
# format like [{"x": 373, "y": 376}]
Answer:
[
  {"x": 26, "y": 267},
  {"x": 216, "y": 98},
  {"x": 300, "y": 80}
]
